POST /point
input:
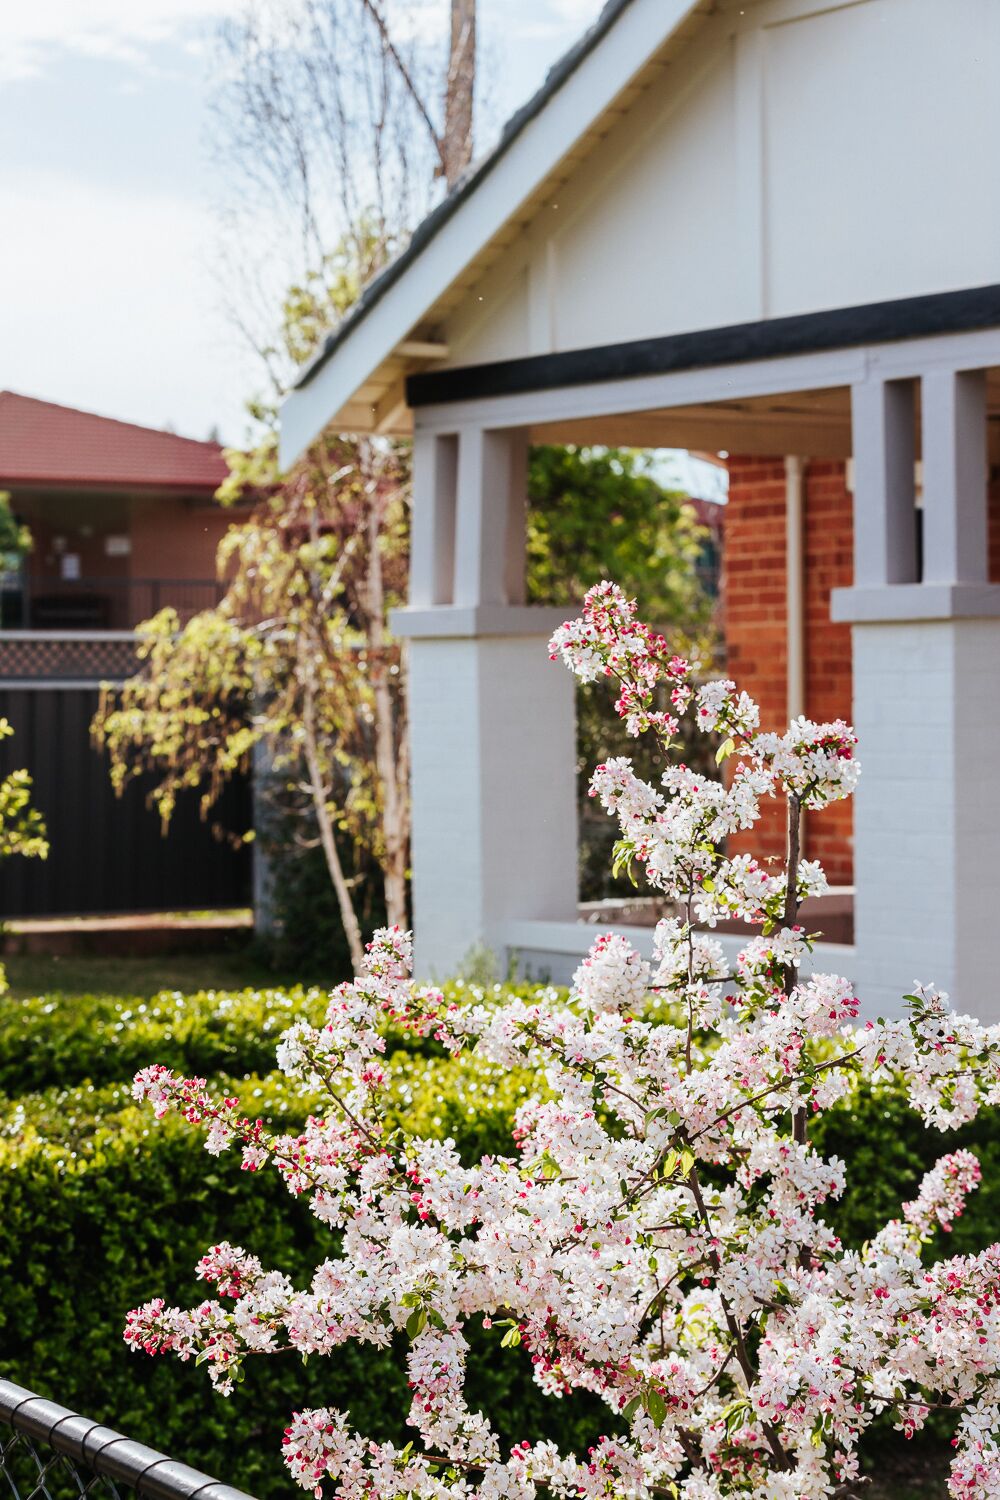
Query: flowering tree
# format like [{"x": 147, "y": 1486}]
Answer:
[
  {"x": 657, "y": 1236},
  {"x": 296, "y": 658}
]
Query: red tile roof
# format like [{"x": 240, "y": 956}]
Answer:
[{"x": 41, "y": 443}]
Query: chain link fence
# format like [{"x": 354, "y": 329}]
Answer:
[{"x": 50, "y": 1453}]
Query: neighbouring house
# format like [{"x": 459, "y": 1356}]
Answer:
[
  {"x": 123, "y": 522},
  {"x": 758, "y": 227}
]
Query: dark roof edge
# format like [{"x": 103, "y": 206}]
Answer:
[
  {"x": 802, "y": 333},
  {"x": 433, "y": 222}
]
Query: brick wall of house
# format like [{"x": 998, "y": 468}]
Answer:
[
  {"x": 177, "y": 538},
  {"x": 755, "y": 600},
  {"x": 754, "y": 603},
  {"x": 829, "y": 541}
]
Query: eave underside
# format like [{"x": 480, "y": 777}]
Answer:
[{"x": 379, "y": 405}]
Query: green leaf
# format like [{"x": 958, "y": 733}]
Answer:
[
  {"x": 734, "y": 1414},
  {"x": 416, "y": 1322},
  {"x": 724, "y": 751},
  {"x": 656, "y": 1407}
]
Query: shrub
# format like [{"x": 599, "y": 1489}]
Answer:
[
  {"x": 65, "y": 1039},
  {"x": 60, "y": 1040},
  {"x": 659, "y": 1238},
  {"x": 100, "y": 1207},
  {"x": 888, "y": 1149}
]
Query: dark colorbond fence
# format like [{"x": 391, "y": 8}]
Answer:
[
  {"x": 50, "y": 1453},
  {"x": 107, "y": 853}
]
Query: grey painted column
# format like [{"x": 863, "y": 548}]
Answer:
[
  {"x": 490, "y": 516},
  {"x": 954, "y": 452},
  {"x": 432, "y": 519},
  {"x": 263, "y": 878},
  {"x": 885, "y": 524},
  {"x": 492, "y": 719},
  {"x": 926, "y": 698}
]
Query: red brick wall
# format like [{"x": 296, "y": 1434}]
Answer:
[
  {"x": 754, "y": 605},
  {"x": 177, "y": 539},
  {"x": 829, "y": 540}
]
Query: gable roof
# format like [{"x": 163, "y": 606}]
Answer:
[
  {"x": 439, "y": 216},
  {"x": 60, "y": 446},
  {"x": 357, "y": 378}
]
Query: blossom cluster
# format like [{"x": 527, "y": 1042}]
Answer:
[{"x": 656, "y": 1235}]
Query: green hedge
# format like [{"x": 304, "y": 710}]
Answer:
[
  {"x": 57, "y": 1039},
  {"x": 64, "y": 1039},
  {"x": 101, "y": 1208},
  {"x": 887, "y": 1149}
]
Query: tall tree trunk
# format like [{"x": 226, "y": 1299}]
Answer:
[
  {"x": 389, "y": 765},
  {"x": 459, "y": 96},
  {"x": 317, "y": 786}
]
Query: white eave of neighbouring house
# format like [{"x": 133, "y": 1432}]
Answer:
[{"x": 357, "y": 381}]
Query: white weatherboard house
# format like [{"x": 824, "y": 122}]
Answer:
[{"x": 770, "y": 227}]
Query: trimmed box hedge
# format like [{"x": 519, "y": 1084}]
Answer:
[{"x": 101, "y": 1207}]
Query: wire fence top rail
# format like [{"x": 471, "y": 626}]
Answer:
[{"x": 48, "y": 1453}]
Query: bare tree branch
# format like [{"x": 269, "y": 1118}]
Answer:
[{"x": 407, "y": 78}]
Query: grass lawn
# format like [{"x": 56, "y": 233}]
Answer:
[{"x": 88, "y": 974}]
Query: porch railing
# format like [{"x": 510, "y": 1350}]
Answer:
[
  {"x": 91, "y": 603},
  {"x": 50, "y": 1453}
]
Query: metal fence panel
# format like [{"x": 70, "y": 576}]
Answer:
[{"x": 107, "y": 853}]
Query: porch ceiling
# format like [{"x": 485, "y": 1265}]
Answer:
[{"x": 813, "y": 423}]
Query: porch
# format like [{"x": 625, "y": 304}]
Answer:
[{"x": 912, "y": 614}]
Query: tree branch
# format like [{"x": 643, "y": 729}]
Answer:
[{"x": 406, "y": 76}]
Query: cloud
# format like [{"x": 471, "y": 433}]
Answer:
[
  {"x": 111, "y": 305},
  {"x": 128, "y": 31},
  {"x": 420, "y": 21},
  {"x": 124, "y": 31},
  {"x": 576, "y": 11}
]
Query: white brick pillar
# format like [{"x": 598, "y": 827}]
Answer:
[
  {"x": 491, "y": 717},
  {"x": 926, "y": 699},
  {"x": 927, "y": 811}
]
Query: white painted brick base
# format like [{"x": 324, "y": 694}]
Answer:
[
  {"x": 927, "y": 811},
  {"x": 494, "y": 812}
]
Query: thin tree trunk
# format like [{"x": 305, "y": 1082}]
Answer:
[
  {"x": 395, "y": 802},
  {"x": 317, "y": 787},
  {"x": 459, "y": 96}
]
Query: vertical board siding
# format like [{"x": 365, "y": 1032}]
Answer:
[{"x": 107, "y": 854}]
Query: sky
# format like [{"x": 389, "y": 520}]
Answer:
[{"x": 110, "y": 231}]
